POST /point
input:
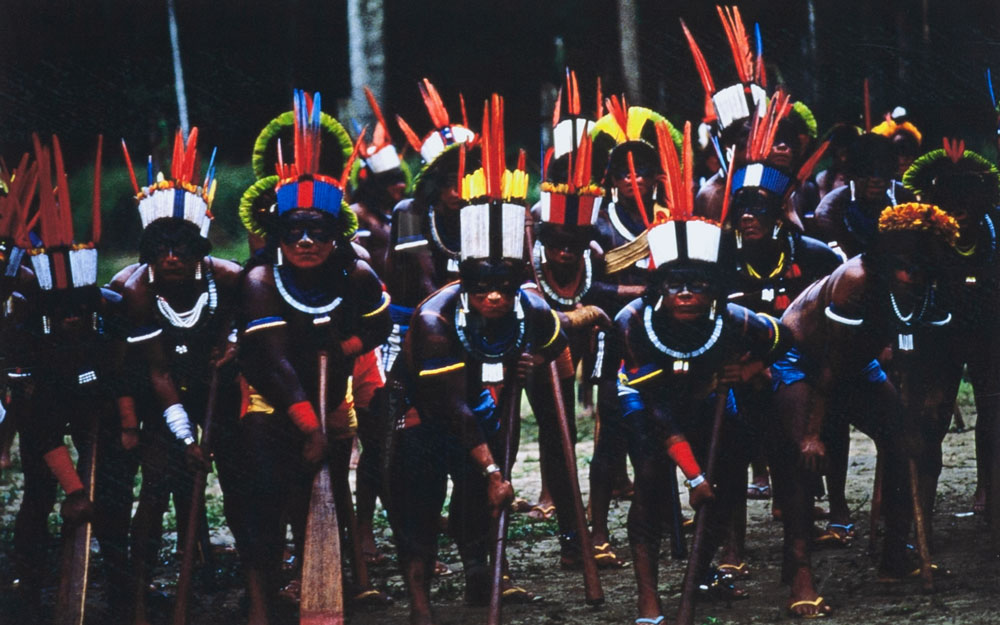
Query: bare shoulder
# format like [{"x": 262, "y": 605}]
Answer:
[
  {"x": 227, "y": 273},
  {"x": 120, "y": 279}
]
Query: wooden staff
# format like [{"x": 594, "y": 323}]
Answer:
[
  {"x": 678, "y": 545},
  {"x": 194, "y": 512},
  {"x": 876, "y": 511},
  {"x": 322, "y": 601},
  {"x": 75, "y": 564},
  {"x": 919, "y": 520},
  {"x": 511, "y": 432},
  {"x": 591, "y": 580},
  {"x": 685, "y": 614}
]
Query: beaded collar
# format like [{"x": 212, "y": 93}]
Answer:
[
  {"x": 550, "y": 292},
  {"x": 647, "y": 319},
  {"x": 296, "y": 302},
  {"x": 506, "y": 346},
  {"x": 189, "y": 319}
]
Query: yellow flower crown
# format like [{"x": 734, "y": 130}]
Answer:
[{"x": 914, "y": 216}]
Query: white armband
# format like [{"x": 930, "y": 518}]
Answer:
[{"x": 178, "y": 422}]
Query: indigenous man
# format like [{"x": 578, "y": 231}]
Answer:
[
  {"x": 680, "y": 347},
  {"x": 966, "y": 186},
  {"x": 905, "y": 139},
  {"x": 307, "y": 296},
  {"x": 847, "y": 217},
  {"x": 67, "y": 382},
  {"x": 464, "y": 346},
  {"x": 180, "y": 304},
  {"x": 774, "y": 263},
  {"x": 841, "y": 324},
  {"x": 625, "y": 149}
]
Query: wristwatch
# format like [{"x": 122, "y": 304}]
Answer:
[
  {"x": 189, "y": 440},
  {"x": 491, "y": 468}
]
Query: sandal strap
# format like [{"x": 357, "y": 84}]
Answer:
[{"x": 649, "y": 621}]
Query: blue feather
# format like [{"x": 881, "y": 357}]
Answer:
[
  {"x": 760, "y": 42},
  {"x": 210, "y": 173},
  {"x": 719, "y": 153},
  {"x": 149, "y": 171},
  {"x": 316, "y": 110},
  {"x": 989, "y": 84}
]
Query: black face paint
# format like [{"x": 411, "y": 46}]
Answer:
[{"x": 296, "y": 227}]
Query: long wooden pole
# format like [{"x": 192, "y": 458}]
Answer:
[
  {"x": 194, "y": 511},
  {"x": 322, "y": 601},
  {"x": 685, "y": 614},
  {"x": 591, "y": 579},
  {"x": 511, "y": 432},
  {"x": 72, "y": 595}
]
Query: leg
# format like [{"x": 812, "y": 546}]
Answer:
[
  {"x": 610, "y": 445},
  {"x": 153, "y": 499}
]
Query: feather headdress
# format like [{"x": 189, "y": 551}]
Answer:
[
  {"x": 379, "y": 154},
  {"x": 675, "y": 234},
  {"x": 577, "y": 201},
  {"x": 179, "y": 196},
  {"x": 58, "y": 259},
  {"x": 954, "y": 178},
  {"x": 21, "y": 185},
  {"x": 315, "y": 180},
  {"x": 444, "y": 134},
  {"x": 734, "y": 103},
  {"x": 625, "y": 129},
  {"x": 492, "y": 223}
]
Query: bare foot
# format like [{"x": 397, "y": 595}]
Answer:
[{"x": 804, "y": 601}]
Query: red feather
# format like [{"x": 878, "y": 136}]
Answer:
[
  {"x": 868, "y": 106},
  {"x": 131, "y": 171},
  {"x": 546, "y": 160},
  {"x": 346, "y": 173},
  {"x": 190, "y": 155},
  {"x": 699, "y": 62},
  {"x": 461, "y": 166},
  {"x": 411, "y": 137},
  {"x": 807, "y": 168},
  {"x": 619, "y": 110},
  {"x": 556, "y": 110},
  {"x": 95, "y": 228},
  {"x": 461, "y": 104},
  {"x": 432, "y": 100},
  {"x": 635, "y": 190},
  {"x": 732, "y": 23},
  {"x": 600, "y": 102},
  {"x": 62, "y": 193}
]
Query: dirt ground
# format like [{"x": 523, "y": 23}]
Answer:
[{"x": 846, "y": 576}]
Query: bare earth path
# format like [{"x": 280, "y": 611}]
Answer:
[{"x": 846, "y": 576}]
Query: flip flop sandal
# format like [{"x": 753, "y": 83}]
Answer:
[
  {"x": 836, "y": 534},
  {"x": 649, "y": 621},
  {"x": 371, "y": 597},
  {"x": 738, "y": 571},
  {"x": 606, "y": 558},
  {"x": 757, "y": 491},
  {"x": 516, "y": 594},
  {"x": 540, "y": 513},
  {"x": 520, "y": 505},
  {"x": 819, "y": 603}
]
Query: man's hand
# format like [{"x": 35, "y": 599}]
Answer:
[
  {"x": 741, "y": 372},
  {"x": 351, "y": 347},
  {"x": 701, "y": 494},
  {"x": 195, "y": 459},
  {"x": 526, "y": 366},
  {"x": 77, "y": 508},
  {"x": 314, "y": 450},
  {"x": 130, "y": 438},
  {"x": 221, "y": 356},
  {"x": 812, "y": 453},
  {"x": 499, "y": 493}
]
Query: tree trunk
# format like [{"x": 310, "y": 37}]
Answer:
[
  {"x": 366, "y": 49},
  {"x": 628, "y": 27}
]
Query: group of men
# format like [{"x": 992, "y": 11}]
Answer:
[{"x": 751, "y": 319}]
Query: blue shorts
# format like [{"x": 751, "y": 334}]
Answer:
[{"x": 794, "y": 367}]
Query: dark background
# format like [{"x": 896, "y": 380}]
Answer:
[{"x": 83, "y": 67}]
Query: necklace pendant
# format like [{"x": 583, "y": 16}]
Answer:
[
  {"x": 906, "y": 342},
  {"x": 452, "y": 265},
  {"x": 681, "y": 366},
  {"x": 767, "y": 294},
  {"x": 492, "y": 372},
  {"x": 970, "y": 279},
  {"x": 181, "y": 349}
]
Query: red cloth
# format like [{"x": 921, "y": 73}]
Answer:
[
  {"x": 61, "y": 465},
  {"x": 303, "y": 416},
  {"x": 683, "y": 457}
]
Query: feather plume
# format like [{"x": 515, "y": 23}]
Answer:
[
  {"x": 62, "y": 194},
  {"x": 807, "y": 168},
  {"x": 546, "y": 160},
  {"x": 131, "y": 170},
  {"x": 95, "y": 228},
  {"x": 726, "y": 196},
  {"x": 465, "y": 115},
  {"x": 699, "y": 62},
  {"x": 190, "y": 156},
  {"x": 868, "y": 106},
  {"x": 558, "y": 107},
  {"x": 761, "y": 71},
  {"x": 376, "y": 110},
  {"x": 411, "y": 137},
  {"x": 346, "y": 173},
  {"x": 635, "y": 190},
  {"x": 22, "y": 184},
  {"x": 435, "y": 107},
  {"x": 954, "y": 149},
  {"x": 461, "y": 165},
  {"x": 574, "y": 95},
  {"x": 989, "y": 85},
  {"x": 736, "y": 34},
  {"x": 619, "y": 110},
  {"x": 176, "y": 159}
]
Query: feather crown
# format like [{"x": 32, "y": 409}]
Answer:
[
  {"x": 21, "y": 184},
  {"x": 379, "y": 154},
  {"x": 492, "y": 222},
  {"x": 58, "y": 259},
  {"x": 954, "y": 178},
  {"x": 734, "y": 103},
  {"x": 444, "y": 134},
  {"x": 917, "y": 217},
  {"x": 179, "y": 196}
]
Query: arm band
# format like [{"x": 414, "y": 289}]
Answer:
[
  {"x": 303, "y": 416},
  {"x": 683, "y": 457},
  {"x": 59, "y": 463},
  {"x": 178, "y": 422},
  {"x": 351, "y": 346}
]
